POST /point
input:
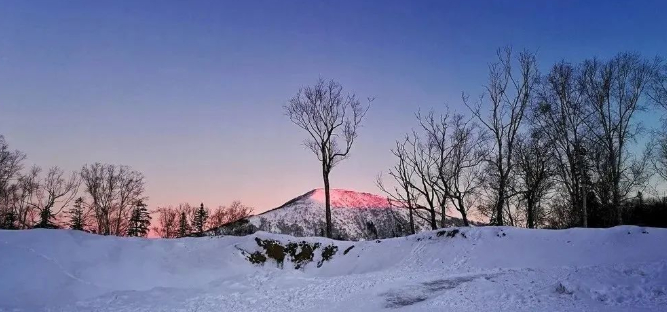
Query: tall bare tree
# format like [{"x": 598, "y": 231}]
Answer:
[
  {"x": 534, "y": 165},
  {"x": 331, "y": 119},
  {"x": 613, "y": 92},
  {"x": 24, "y": 197},
  {"x": 658, "y": 93},
  {"x": 402, "y": 193},
  {"x": 561, "y": 115},
  {"x": 420, "y": 158},
  {"x": 113, "y": 190},
  {"x": 509, "y": 94},
  {"x": 11, "y": 164},
  {"x": 462, "y": 175}
]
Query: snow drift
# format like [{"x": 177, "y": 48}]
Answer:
[{"x": 467, "y": 269}]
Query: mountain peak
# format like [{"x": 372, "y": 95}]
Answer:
[{"x": 342, "y": 198}]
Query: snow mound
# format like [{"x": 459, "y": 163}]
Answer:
[{"x": 459, "y": 269}]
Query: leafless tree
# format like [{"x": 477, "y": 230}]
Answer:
[
  {"x": 113, "y": 190},
  {"x": 55, "y": 193},
  {"x": 402, "y": 193},
  {"x": 658, "y": 94},
  {"x": 509, "y": 94},
  {"x": 437, "y": 131},
  {"x": 658, "y": 86},
  {"x": 420, "y": 158},
  {"x": 561, "y": 115},
  {"x": 462, "y": 175},
  {"x": 11, "y": 164},
  {"x": 612, "y": 93},
  {"x": 534, "y": 166},
  {"x": 167, "y": 222},
  {"x": 23, "y": 197},
  {"x": 331, "y": 119},
  {"x": 228, "y": 214}
]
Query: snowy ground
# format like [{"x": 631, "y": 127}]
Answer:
[{"x": 490, "y": 269}]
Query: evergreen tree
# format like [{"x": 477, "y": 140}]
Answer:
[
  {"x": 183, "y": 226},
  {"x": 200, "y": 220},
  {"x": 140, "y": 220},
  {"x": 10, "y": 221},
  {"x": 45, "y": 218},
  {"x": 76, "y": 221}
]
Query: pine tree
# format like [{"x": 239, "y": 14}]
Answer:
[
  {"x": 200, "y": 220},
  {"x": 45, "y": 218},
  {"x": 183, "y": 226},
  {"x": 10, "y": 221},
  {"x": 76, "y": 220},
  {"x": 140, "y": 220}
]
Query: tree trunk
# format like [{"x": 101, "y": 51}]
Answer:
[
  {"x": 531, "y": 209},
  {"x": 500, "y": 204},
  {"x": 443, "y": 218},
  {"x": 412, "y": 219},
  {"x": 584, "y": 199},
  {"x": 327, "y": 203},
  {"x": 462, "y": 210}
]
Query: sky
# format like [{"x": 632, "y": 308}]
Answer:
[{"x": 191, "y": 93}]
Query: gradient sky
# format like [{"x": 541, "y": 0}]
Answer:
[{"x": 190, "y": 93}]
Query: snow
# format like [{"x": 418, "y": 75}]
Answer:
[
  {"x": 348, "y": 199},
  {"x": 477, "y": 269},
  {"x": 355, "y": 215}
]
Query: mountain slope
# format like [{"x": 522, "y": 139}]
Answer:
[
  {"x": 472, "y": 269},
  {"x": 355, "y": 216}
]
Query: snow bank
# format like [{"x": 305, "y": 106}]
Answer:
[{"x": 471, "y": 269}]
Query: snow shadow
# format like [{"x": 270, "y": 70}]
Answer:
[{"x": 424, "y": 291}]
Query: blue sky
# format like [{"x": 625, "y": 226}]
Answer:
[{"x": 190, "y": 92}]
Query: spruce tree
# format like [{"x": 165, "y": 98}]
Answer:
[
  {"x": 183, "y": 226},
  {"x": 76, "y": 221},
  {"x": 45, "y": 218},
  {"x": 140, "y": 220},
  {"x": 200, "y": 220},
  {"x": 10, "y": 221}
]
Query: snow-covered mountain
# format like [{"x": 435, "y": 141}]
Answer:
[
  {"x": 355, "y": 216},
  {"x": 466, "y": 269}
]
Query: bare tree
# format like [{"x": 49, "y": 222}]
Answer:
[
  {"x": 612, "y": 93},
  {"x": 113, "y": 191},
  {"x": 561, "y": 114},
  {"x": 228, "y": 214},
  {"x": 658, "y": 93},
  {"x": 420, "y": 158},
  {"x": 23, "y": 198},
  {"x": 331, "y": 120},
  {"x": 167, "y": 222},
  {"x": 402, "y": 194},
  {"x": 55, "y": 193},
  {"x": 658, "y": 86},
  {"x": 509, "y": 95},
  {"x": 462, "y": 175},
  {"x": 437, "y": 131},
  {"x": 11, "y": 164},
  {"x": 534, "y": 165}
]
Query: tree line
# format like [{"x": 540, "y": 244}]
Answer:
[
  {"x": 103, "y": 199},
  {"x": 564, "y": 148},
  {"x": 556, "y": 149},
  {"x": 187, "y": 220}
]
